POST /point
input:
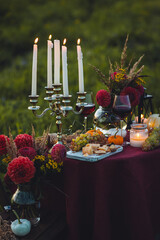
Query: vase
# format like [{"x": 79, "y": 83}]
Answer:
[
  {"x": 23, "y": 201},
  {"x": 104, "y": 118}
]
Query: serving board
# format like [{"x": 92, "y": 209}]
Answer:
[{"x": 94, "y": 157}]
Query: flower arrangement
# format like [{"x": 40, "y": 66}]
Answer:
[
  {"x": 26, "y": 157},
  {"x": 122, "y": 80}
]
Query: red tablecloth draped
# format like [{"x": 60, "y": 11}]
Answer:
[{"x": 115, "y": 198}]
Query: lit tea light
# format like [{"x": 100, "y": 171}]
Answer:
[
  {"x": 138, "y": 134},
  {"x": 143, "y": 119}
]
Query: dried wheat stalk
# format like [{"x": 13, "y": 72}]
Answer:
[
  {"x": 133, "y": 69},
  {"x": 11, "y": 146},
  {"x": 33, "y": 136},
  {"x": 124, "y": 54}
]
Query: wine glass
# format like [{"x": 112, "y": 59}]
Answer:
[
  {"x": 121, "y": 107},
  {"x": 88, "y": 108}
]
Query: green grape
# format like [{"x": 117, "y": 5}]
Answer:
[{"x": 153, "y": 141}]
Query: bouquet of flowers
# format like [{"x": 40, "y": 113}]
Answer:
[
  {"x": 26, "y": 157},
  {"x": 122, "y": 80}
]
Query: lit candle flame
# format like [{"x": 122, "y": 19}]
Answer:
[
  {"x": 78, "y": 41},
  {"x": 50, "y": 37},
  {"x": 64, "y": 41},
  {"x": 138, "y": 135},
  {"x": 142, "y": 116},
  {"x": 36, "y": 40}
]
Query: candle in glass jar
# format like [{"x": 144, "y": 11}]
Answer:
[
  {"x": 64, "y": 69},
  {"x": 49, "y": 62},
  {"x": 56, "y": 61},
  {"x": 34, "y": 68},
  {"x": 80, "y": 67},
  {"x": 138, "y": 134}
]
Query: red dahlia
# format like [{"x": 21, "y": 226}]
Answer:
[
  {"x": 21, "y": 170},
  {"x": 24, "y": 140},
  {"x": 58, "y": 153},
  {"x": 103, "y": 98},
  {"x": 140, "y": 89},
  {"x": 28, "y": 152},
  {"x": 133, "y": 95},
  {"x": 3, "y": 149}
]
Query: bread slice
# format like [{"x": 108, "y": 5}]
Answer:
[
  {"x": 100, "y": 152},
  {"x": 104, "y": 148},
  {"x": 113, "y": 148},
  {"x": 87, "y": 150}
]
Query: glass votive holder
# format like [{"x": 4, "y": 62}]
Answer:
[{"x": 138, "y": 134}]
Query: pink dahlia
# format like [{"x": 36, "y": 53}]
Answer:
[
  {"x": 133, "y": 95},
  {"x": 28, "y": 152},
  {"x": 3, "y": 149},
  {"x": 103, "y": 98},
  {"x": 23, "y": 140},
  {"x": 58, "y": 153}
]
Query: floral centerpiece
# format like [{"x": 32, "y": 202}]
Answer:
[
  {"x": 121, "y": 80},
  {"x": 27, "y": 162}
]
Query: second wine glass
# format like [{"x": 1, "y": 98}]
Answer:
[
  {"x": 121, "y": 107},
  {"x": 89, "y": 108}
]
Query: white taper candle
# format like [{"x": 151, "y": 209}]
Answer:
[
  {"x": 80, "y": 67},
  {"x": 49, "y": 62},
  {"x": 34, "y": 69},
  {"x": 56, "y": 61},
  {"x": 64, "y": 69}
]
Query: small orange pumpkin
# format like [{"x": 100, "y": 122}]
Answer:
[
  {"x": 94, "y": 131},
  {"x": 117, "y": 140}
]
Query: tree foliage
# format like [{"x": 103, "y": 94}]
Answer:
[{"x": 102, "y": 26}]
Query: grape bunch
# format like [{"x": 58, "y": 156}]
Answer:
[
  {"x": 153, "y": 141},
  {"x": 83, "y": 139}
]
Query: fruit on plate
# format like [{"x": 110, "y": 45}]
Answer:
[
  {"x": 116, "y": 139},
  {"x": 153, "y": 141},
  {"x": 92, "y": 136},
  {"x": 93, "y": 131}
]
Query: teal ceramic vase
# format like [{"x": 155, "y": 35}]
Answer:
[{"x": 24, "y": 202}]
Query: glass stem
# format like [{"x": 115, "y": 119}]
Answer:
[
  {"x": 85, "y": 124},
  {"x": 121, "y": 121}
]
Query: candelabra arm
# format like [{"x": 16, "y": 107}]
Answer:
[
  {"x": 78, "y": 112},
  {"x": 42, "y": 114}
]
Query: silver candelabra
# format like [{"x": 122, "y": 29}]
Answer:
[{"x": 59, "y": 105}]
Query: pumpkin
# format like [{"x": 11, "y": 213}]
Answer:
[
  {"x": 91, "y": 132},
  {"x": 157, "y": 122},
  {"x": 153, "y": 121},
  {"x": 116, "y": 139}
]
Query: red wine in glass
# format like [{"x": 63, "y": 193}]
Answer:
[
  {"x": 122, "y": 110},
  {"x": 88, "y": 109},
  {"x": 122, "y": 107}
]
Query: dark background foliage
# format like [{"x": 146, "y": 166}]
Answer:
[{"x": 102, "y": 26}]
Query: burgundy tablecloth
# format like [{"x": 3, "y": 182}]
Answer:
[{"x": 117, "y": 198}]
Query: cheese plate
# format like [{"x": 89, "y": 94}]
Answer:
[{"x": 94, "y": 157}]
